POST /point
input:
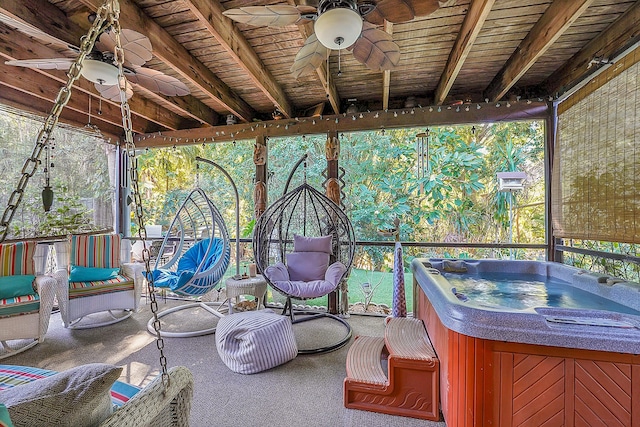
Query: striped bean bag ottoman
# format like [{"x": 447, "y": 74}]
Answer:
[{"x": 254, "y": 341}]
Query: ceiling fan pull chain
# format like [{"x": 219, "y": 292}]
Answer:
[{"x": 137, "y": 198}]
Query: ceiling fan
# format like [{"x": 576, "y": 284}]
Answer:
[
  {"x": 100, "y": 67},
  {"x": 340, "y": 24}
]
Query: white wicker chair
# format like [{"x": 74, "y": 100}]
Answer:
[
  {"x": 155, "y": 406},
  {"x": 24, "y": 319},
  {"x": 119, "y": 297}
]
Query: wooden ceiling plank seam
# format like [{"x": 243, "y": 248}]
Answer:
[
  {"x": 38, "y": 14},
  {"x": 620, "y": 34},
  {"x": 231, "y": 39},
  {"x": 556, "y": 19},
  {"x": 168, "y": 50},
  {"x": 469, "y": 31}
]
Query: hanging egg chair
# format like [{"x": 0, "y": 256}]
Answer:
[{"x": 304, "y": 245}]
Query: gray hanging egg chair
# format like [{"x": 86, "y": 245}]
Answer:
[{"x": 304, "y": 246}]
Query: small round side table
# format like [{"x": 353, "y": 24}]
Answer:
[{"x": 256, "y": 286}]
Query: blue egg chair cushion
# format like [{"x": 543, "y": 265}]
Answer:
[{"x": 188, "y": 265}]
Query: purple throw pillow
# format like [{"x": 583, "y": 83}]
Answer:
[
  {"x": 307, "y": 266},
  {"x": 312, "y": 244}
]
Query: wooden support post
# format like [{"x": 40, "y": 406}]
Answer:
[
  {"x": 260, "y": 187},
  {"x": 332, "y": 152}
]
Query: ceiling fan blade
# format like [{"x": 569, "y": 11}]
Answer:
[
  {"x": 398, "y": 11},
  {"x": 137, "y": 47},
  {"x": 158, "y": 82},
  {"x": 310, "y": 57},
  {"x": 112, "y": 92},
  {"x": 376, "y": 49},
  {"x": 270, "y": 16},
  {"x": 32, "y": 31},
  {"x": 43, "y": 64}
]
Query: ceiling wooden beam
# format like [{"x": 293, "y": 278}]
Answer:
[
  {"x": 209, "y": 13},
  {"x": 386, "y": 74},
  {"x": 620, "y": 35},
  {"x": 32, "y": 104},
  {"x": 13, "y": 45},
  {"x": 556, "y": 19},
  {"x": 374, "y": 120},
  {"x": 58, "y": 27},
  {"x": 173, "y": 54},
  {"x": 469, "y": 30}
]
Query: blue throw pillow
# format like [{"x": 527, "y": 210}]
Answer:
[
  {"x": 92, "y": 274},
  {"x": 15, "y": 286}
]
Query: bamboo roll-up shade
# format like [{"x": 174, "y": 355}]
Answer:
[{"x": 596, "y": 167}]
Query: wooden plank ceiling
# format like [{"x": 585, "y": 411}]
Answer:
[{"x": 466, "y": 51}]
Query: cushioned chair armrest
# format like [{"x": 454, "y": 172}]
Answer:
[
  {"x": 277, "y": 272},
  {"x": 62, "y": 288},
  {"x": 134, "y": 270},
  {"x": 335, "y": 272},
  {"x": 152, "y": 406},
  {"x": 47, "y": 288}
]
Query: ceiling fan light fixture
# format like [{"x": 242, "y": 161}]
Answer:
[
  {"x": 338, "y": 28},
  {"x": 99, "y": 72}
]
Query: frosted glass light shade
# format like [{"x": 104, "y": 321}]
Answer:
[
  {"x": 338, "y": 28},
  {"x": 99, "y": 72}
]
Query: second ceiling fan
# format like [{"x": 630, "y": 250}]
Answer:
[{"x": 340, "y": 24}]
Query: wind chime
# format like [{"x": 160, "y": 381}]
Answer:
[
  {"x": 422, "y": 149},
  {"x": 47, "y": 191}
]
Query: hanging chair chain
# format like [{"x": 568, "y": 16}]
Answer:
[
  {"x": 137, "y": 198},
  {"x": 31, "y": 164}
]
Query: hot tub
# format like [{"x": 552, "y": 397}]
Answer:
[{"x": 563, "y": 353}]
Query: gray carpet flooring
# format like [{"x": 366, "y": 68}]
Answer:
[{"x": 306, "y": 391}]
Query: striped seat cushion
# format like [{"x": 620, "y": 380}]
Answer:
[
  {"x": 25, "y": 304},
  {"x": 83, "y": 289},
  {"x": 254, "y": 341},
  {"x": 12, "y": 375}
]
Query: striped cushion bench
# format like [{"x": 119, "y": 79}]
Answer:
[
  {"x": 13, "y": 375},
  {"x": 254, "y": 341}
]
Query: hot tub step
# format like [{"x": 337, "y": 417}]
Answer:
[{"x": 411, "y": 388}]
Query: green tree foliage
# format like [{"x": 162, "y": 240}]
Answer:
[{"x": 83, "y": 195}]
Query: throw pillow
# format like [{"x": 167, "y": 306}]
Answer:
[
  {"x": 5, "y": 421},
  {"x": 307, "y": 266},
  {"x": 312, "y": 244},
  {"x": 92, "y": 274},
  {"x": 17, "y": 258},
  {"x": 16, "y": 286},
  {"x": 77, "y": 397}
]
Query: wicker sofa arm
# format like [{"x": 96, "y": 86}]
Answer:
[{"x": 152, "y": 406}]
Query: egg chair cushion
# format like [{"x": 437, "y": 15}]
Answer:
[
  {"x": 188, "y": 265},
  {"x": 307, "y": 266},
  {"x": 312, "y": 244}
]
